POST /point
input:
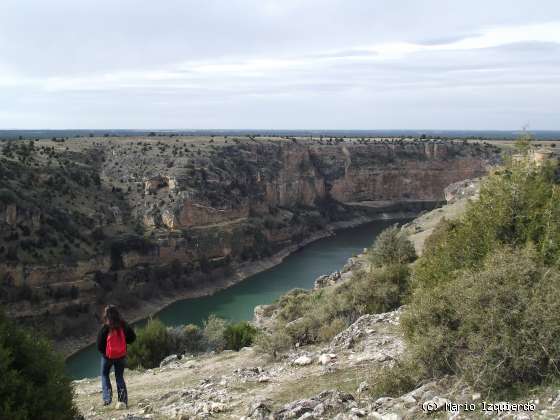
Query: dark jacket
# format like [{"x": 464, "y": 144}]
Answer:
[{"x": 129, "y": 334}]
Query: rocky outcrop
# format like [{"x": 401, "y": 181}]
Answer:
[
  {"x": 468, "y": 188},
  {"x": 289, "y": 175}
]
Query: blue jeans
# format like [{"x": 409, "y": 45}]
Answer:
[{"x": 106, "y": 365}]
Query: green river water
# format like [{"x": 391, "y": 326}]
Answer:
[{"x": 236, "y": 303}]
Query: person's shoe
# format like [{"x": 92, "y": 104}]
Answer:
[
  {"x": 120, "y": 406},
  {"x": 106, "y": 403}
]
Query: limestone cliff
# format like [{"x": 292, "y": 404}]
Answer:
[{"x": 133, "y": 220}]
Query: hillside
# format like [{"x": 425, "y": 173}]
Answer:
[{"x": 144, "y": 221}]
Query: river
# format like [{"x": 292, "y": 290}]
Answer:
[{"x": 236, "y": 303}]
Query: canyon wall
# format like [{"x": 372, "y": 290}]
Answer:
[{"x": 156, "y": 218}]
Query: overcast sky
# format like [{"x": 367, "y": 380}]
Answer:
[{"x": 286, "y": 64}]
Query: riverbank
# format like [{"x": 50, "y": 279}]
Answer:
[{"x": 242, "y": 272}]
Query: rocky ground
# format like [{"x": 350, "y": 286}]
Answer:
[
  {"x": 315, "y": 382},
  {"x": 319, "y": 380}
]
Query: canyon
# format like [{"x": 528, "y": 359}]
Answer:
[{"x": 143, "y": 221}]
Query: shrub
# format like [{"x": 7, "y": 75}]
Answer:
[
  {"x": 496, "y": 327},
  {"x": 398, "y": 379},
  {"x": 328, "y": 331},
  {"x": 239, "y": 335},
  {"x": 377, "y": 291},
  {"x": 294, "y": 304},
  {"x": 213, "y": 331},
  {"x": 152, "y": 345},
  {"x": 273, "y": 343},
  {"x": 486, "y": 290},
  {"x": 185, "y": 339},
  {"x": 34, "y": 384},
  {"x": 194, "y": 339},
  {"x": 392, "y": 247}
]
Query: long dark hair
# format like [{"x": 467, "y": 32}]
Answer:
[{"x": 112, "y": 318}]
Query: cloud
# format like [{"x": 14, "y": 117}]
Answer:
[{"x": 241, "y": 63}]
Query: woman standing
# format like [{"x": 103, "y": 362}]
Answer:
[{"x": 111, "y": 343}]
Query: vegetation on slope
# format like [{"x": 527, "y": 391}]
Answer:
[
  {"x": 486, "y": 293},
  {"x": 314, "y": 316},
  {"x": 155, "y": 341}
]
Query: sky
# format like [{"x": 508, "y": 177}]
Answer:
[{"x": 280, "y": 64}]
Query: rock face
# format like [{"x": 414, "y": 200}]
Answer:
[
  {"x": 289, "y": 175},
  {"x": 132, "y": 220}
]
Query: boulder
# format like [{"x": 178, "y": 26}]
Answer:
[
  {"x": 326, "y": 358},
  {"x": 303, "y": 361},
  {"x": 331, "y": 401},
  {"x": 168, "y": 360},
  {"x": 259, "y": 409}
]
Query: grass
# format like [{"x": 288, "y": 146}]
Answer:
[{"x": 346, "y": 379}]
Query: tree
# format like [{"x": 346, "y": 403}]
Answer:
[
  {"x": 392, "y": 247},
  {"x": 213, "y": 330},
  {"x": 33, "y": 382}
]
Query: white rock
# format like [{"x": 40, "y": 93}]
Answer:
[
  {"x": 326, "y": 358},
  {"x": 319, "y": 410},
  {"x": 303, "y": 361},
  {"x": 168, "y": 360},
  {"x": 364, "y": 386},
  {"x": 408, "y": 399},
  {"x": 476, "y": 396},
  {"x": 358, "y": 412},
  {"x": 390, "y": 416}
]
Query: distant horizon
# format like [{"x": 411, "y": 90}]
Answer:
[
  {"x": 283, "y": 129},
  {"x": 8, "y": 134}
]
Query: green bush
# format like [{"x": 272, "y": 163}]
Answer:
[
  {"x": 496, "y": 327},
  {"x": 392, "y": 247},
  {"x": 34, "y": 384},
  {"x": 518, "y": 205},
  {"x": 380, "y": 290},
  {"x": 213, "y": 332},
  {"x": 152, "y": 345},
  {"x": 486, "y": 287},
  {"x": 239, "y": 335},
  {"x": 273, "y": 343}
]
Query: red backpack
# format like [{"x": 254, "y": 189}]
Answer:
[{"x": 116, "y": 344}]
